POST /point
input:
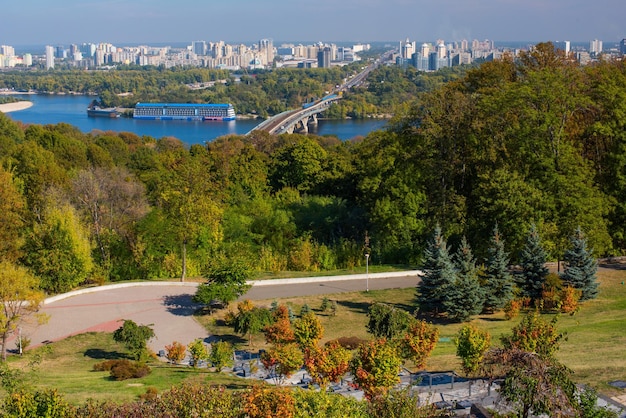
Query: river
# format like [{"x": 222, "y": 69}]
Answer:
[{"x": 72, "y": 109}]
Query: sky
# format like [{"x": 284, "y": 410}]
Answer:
[{"x": 63, "y": 22}]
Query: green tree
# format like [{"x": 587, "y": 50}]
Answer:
[
  {"x": 134, "y": 337},
  {"x": 533, "y": 261},
  {"x": 58, "y": 249},
  {"x": 221, "y": 355},
  {"x": 386, "y": 321},
  {"x": 20, "y": 299},
  {"x": 224, "y": 284},
  {"x": 198, "y": 351},
  {"x": 471, "y": 345},
  {"x": 307, "y": 330},
  {"x": 12, "y": 207},
  {"x": 581, "y": 267},
  {"x": 535, "y": 335},
  {"x": 375, "y": 367},
  {"x": 498, "y": 284},
  {"x": 533, "y": 384},
  {"x": 282, "y": 360},
  {"x": 465, "y": 297},
  {"x": 250, "y": 319},
  {"x": 438, "y": 277}
]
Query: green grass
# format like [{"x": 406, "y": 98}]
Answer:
[
  {"x": 68, "y": 366},
  {"x": 594, "y": 349}
]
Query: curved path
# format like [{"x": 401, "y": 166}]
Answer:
[{"x": 168, "y": 308}]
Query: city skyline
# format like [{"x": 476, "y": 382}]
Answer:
[{"x": 154, "y": 21}]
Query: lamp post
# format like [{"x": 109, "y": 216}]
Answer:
[
  {"x": 19, "y": 339},
  {"x": 367, "y": 272}
]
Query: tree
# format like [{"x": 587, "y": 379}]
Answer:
[
  {"x": 418, "y": 342},
  {"x": 386, "y": 321},
  {"x": 58, "y": 249},
  {"x": 465, "y": 296},
  {"x": 533, "y": 262},
  {"x": 375, "y": 367},
  {"x": 307, "y": 330},
  {"x": 221, "y": 355},
  {"x": 533, "y": 384},
  {"x": 134, "y": 337},
  {"x": 581, "y": 267},
  {"x": 250, "y": 319},
  {"x": 471, "y": 345},
  {"x": 438, "y": 276},
  {"x": 498, "y": 285},
  {"x": 187, "y": 200},
  {"x": 535, "y": 335},
  {"x": 280, "y": 331},
  {"x": 282, "y": 360},
  {"x": 20, "y": 299},
  {"x": 175, "y": 352},
  {"x": 326, "y": 364},
  {"x": 197, "y": 351},
  {"x": 12, "y": 205},
  {"x": 224, "y": 284}
]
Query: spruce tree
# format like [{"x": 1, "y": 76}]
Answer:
[
  {"x": 533, "y": 261},
  {"x": 581, "y": 267},
  {"x": 498, "y": 285},
  {"x": 438, "y": 276},
  {"x": 465, "y": 298}
]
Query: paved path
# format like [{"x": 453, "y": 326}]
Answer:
[{"x": 168, "y": 306}]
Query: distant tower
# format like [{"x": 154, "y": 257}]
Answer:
[
  {"x": 323, "y": 58},
  {"x": 49, "y": 57},
  {"x": 595, "y": 47},
  {"x": 622, "y": 46},
  {"x": 441, "y": 50},
  {"x": 407, "y": 49},
  {"x": 266, "y": 47},
  {"x": 425, "y": 50},
  {"x": 198, "y": 47}
]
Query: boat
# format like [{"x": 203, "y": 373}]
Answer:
[
  {"x": 95, "y": 111},
  {"x": 184, "y": 111}
]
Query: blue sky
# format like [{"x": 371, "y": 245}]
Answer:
[{"x": 29, "y": 22}]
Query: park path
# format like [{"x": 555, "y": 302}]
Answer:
[{"x": 168, "y": 308}]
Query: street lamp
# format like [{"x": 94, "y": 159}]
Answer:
[
  {"x": 367, "y": 272},
  {"x": 19, "y": 339}
]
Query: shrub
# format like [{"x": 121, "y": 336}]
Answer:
[
  {"x": 175, "y": 352},
  {"x": 123, "y": 369},
  {"x": 350, "y": 343}
]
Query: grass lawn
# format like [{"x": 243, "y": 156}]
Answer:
[
  {"x": 68, "y": 366},
  {"x": 594, "y": 349}
]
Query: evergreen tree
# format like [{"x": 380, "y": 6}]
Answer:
[
  {"x": 498, "y": 285},
  {"x": 581, "y": 267},
  {"x": 533, "y": 262},
  {"x": 438, "y": 276},
  {"x": 466, "y": 297}
]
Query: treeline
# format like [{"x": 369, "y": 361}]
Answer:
[
  {"x": 262, "y": 93},
  {"x": 539, "y": 140}
]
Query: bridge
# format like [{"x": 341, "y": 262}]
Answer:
[{"x": 298, "y": 120}]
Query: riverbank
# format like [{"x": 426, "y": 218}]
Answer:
[{"x": 14, "y": 107}]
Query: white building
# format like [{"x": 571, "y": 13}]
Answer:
[{"x": 49, "y": 57}]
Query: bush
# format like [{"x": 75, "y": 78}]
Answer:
[
  {"x": 350, "y": 343},
  {"x": 123, "y": 369}
]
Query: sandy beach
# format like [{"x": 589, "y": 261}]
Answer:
[{"x": 14, "y": 107}]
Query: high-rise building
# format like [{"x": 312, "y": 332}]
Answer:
[
  {"x": 622, "y": 46},
  {"x": 323, "y": 58},
  {"x": 27, "y": 60},
  {"x": 266, "y": 48},
  {"x": 49, "y": 57},
  {"x": 595, "y": 47},
  {"x": 408, "y": 48},
  {"x": 198, "y": 47}
]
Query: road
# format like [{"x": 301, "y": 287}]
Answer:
[{"x": 168, "y": 308}]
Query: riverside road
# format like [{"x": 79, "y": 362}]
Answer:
[{"x": 167, "y": 306}]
